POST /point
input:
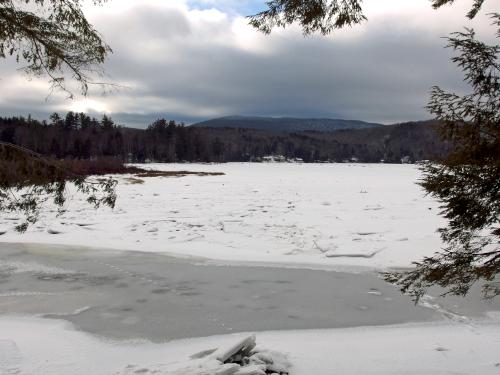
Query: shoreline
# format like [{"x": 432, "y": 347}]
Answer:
[{"x": 33, "y": 345}]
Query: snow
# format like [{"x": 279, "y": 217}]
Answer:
[
  {"x": 39, "y": 346},
  {"x": 339, "y": 216},
  {"x": 366, "y": 215}
]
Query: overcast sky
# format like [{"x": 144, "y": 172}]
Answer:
[{"x": 192, "y": 60}]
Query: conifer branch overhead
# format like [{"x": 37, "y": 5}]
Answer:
[
  {"x": 52, "y": 38},
  {"x": 467, "y": 182},
  {"x": 323, "y": 16}
]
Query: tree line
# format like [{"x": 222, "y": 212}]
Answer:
[{"x": 79, "y": 136}]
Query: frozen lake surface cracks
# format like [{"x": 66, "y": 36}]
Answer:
[{"x": 128, "y": 295}]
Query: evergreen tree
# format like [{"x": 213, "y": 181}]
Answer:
[
  {"x": 323, "y": 16},
  {"x": 107, "y": 123},
  {"x": 84, "y": 121},
  {"x": 70, "y": 122},
  {"x": 55, "y": 119},
  {"x": 218, "y": 149},
  {"x": 467, "y": 182}
]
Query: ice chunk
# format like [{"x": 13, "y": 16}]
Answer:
[
  {"x": 243, "y": 347},
  {"x": 252, "y": 370}
]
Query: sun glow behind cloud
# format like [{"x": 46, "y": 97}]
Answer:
[{"x": 89, "y": 105}]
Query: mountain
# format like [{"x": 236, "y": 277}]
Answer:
[
  {"x": 165, "y": 141},
  {"x": 285, "y": 124}
]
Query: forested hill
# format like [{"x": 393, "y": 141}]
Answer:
[
  {"x": 285, "y": 124},
  {"x": 79, "y": 136}
]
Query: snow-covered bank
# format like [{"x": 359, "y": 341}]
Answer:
[
  {"x": 36, "y": 346},
  {"x": 328, "y": 214}
]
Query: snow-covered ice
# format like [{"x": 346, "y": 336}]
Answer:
[
  {"x": 36, "y": 346},
  {"x": 339, "y": 216},
  {"x": 321, "y": 214}
]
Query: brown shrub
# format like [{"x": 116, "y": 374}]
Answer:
[
  {"x": 100, "y": 166},
  {"x": 176, "y": 174}
]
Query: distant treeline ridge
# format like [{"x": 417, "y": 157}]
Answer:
[{"x": 78, "y": 136}]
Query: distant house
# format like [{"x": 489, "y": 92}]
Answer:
[
  {"x": 273, "y": 159},
  {"x": 278, "y": 159},
  {"x": 406, "y": 160}
]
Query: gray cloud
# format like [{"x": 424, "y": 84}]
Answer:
[{"x": 191, "y": 65}]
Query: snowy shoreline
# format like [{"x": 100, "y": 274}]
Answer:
[{"x": 36, "y": 346}]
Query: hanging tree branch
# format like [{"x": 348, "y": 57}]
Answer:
[
  {"x": 323, "y": 16},
  {"x": 312, "y": 15},
  {"x": 467, "y": 182},
  {"x": 52, "y": 37},
  {"x": 49, "y": 38},
  {"x": 28, "y": 180}
]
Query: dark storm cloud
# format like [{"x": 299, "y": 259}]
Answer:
[{"x": 191, "y": 65}]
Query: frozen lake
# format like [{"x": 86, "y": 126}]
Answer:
[
  {"x": 130, "y": 295},
  {"x": 286, "y": 250},
  {"x": 342, "y": 215}
]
